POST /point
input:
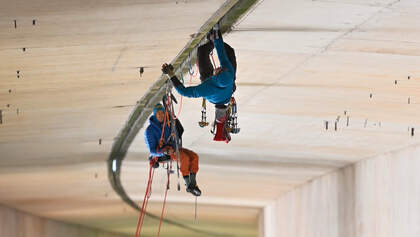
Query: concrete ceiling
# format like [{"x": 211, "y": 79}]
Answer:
[{"x": 300, "y": 64}]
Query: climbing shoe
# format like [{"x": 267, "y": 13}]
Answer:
[
  {"x": 187, "y": 180},
  {"x": 192, "y": 187},
  {"x": 194, "y": 190}
]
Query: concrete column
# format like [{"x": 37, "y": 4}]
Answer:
[
  {"x": 269, "y": 219},
  {"x": 375, "y": 197},
  {"x": 261, "y": 223}
]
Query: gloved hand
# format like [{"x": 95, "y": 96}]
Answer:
[
  {"x": 168, "y": 69},
  {"x": 214, "y": 34},
  {"x": 175, "y": 81},
  {"x": 171, "y": 151},
  {"x": 168, "y": 150},
  {"x": 210, "y": 35},
  {"x": 154, "y": 162}
]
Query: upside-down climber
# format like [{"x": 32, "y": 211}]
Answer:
[
  {"x": 217, "y": 84},
  {"x": 162, "y": 148},
  {"x": 205, "y": 66}
]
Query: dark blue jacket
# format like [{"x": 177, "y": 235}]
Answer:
[
  {"x": 152, "y": 136},
  {"x": 216, "y": 89}
]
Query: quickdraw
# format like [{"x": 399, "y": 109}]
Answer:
[
  {"x": 203, "y": 123},
  {"x": 233, "y": 117}
]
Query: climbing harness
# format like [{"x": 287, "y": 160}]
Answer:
[
  {"x": 226, "y": 123},
  {"x": 231, "y": 118}
]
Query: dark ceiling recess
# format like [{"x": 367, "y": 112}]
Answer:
[{"x": 141, "y": 70}]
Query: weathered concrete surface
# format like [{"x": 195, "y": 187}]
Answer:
[
  {"x": 300, "y": 63},
  {"x": 298, "y": 69},
  {"x": 375, "y": 197},
  {"x": 16, "y": 223}
]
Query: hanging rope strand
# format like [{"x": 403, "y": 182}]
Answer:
[
  {"x": 180, "y": 103},
  {"x": 192, "y": 72},
  {"x": 196, "y": 69},
  {"x": 145, "y": 201},
  {"x": 164, "y": 200},
  {"x": 174, "y": 131}
]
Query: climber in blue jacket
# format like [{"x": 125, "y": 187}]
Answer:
[
  {"x": 162, "y": 147},
  {"x": 153, "y": 132},
  {"x": 217, "y": 89}
]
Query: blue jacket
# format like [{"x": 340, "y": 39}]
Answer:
[
  {"x": 152, "y": 136},
  {"x": 216, "y": 89}
]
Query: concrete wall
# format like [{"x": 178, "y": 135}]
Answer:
[
  {"x": 14, "y": 223},
  {"x": 375, "y": 197}
]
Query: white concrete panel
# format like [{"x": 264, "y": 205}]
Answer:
[{"x": 376, "y": 197}]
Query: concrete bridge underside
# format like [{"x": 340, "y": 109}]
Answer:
[{"x": 69, "y": 80}]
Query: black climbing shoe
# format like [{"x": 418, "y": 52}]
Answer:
[
  {"x": 194, "y": 190},
  {"x": 187, "y": 180}
]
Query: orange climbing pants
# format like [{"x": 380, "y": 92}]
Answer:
[{"x": 189, "y": 161}]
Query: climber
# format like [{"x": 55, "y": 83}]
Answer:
[
  {"x": 162, "y": 148},
  {"x": 217, "y": 88},
  {"x": 205, "y": 66}
]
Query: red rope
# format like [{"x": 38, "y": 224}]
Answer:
[
  {"x": 180, "y": 103},
  {"x": 163, "y": 125},
  {"x": 180, "y": 107},
  {"x": 164, "y": 122},
  {"x": 196, "y": 69},
  {"x": 164, "y": 202},
  {"x": 194, "y": 73},
  {"x": 145, "y": 201}
]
